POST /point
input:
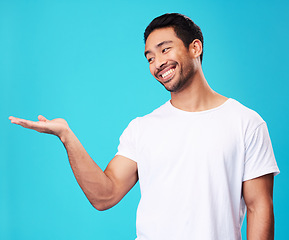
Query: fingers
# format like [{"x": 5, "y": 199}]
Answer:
[
  {"x": 14, "y": 119},
  {"x": 25, "y": 123},
  {"x": 20, "y": 121},
  {"x": 41, "y": 118}
]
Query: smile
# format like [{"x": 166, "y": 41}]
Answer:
[{"x": 167, "y": 74}]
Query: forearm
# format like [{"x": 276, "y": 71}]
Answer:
[
  {"x": 103, "y": 189},
  {"x": 93, "y": 181},
  {"x": 260, "y": 223}
]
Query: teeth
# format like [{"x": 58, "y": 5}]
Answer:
[{"x": 168, "y": 72}]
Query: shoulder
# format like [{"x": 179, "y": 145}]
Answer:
[
  {"x": 153, "y": 116},
  {"x": 247, "y": 119},
  {"x": 245, "y": 114},
  {"x": 158, "y": 113}
]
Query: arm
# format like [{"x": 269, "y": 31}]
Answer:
[
  {"x": 103, "y": 189},
  {"x": 258, "y": 196}
]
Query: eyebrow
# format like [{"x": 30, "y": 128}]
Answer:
[{"x": 158, "y": 46}]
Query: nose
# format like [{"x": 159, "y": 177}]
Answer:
[{"x": 160, "y": 61}]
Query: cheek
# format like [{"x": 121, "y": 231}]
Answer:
[{"x": 152, "y": 69}]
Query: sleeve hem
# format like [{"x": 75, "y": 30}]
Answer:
[
  {"x": 127, "y": 156},
  {"x": 274, "y": 170}
]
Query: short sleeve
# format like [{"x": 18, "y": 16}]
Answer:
[
  {"x": 127, "y": 141},
  {"x": 259, "y": 155}
]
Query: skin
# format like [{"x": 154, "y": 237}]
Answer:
[
  {"x": 193, "y": 93},
  {"x": 258, "y": 196},
  {"x": 103, "y": 189},
  {"x": 189, "y": 92}
]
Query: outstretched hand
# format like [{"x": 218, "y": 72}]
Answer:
[{"x": 56, "y": 126}]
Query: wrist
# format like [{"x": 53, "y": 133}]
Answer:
[{"x": 64, "y": 134}]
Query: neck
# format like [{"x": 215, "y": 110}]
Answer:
[{"x": 197, "y": 96}]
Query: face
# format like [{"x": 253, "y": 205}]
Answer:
[{"x": 170, "y": 62}]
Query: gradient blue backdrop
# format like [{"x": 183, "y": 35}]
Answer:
[{"x": 83, "y": 61}]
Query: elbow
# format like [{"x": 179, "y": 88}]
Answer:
[
  {"x": 262, "y": 207},
  {"x": 103, "y": 204},
  {"x": 100, "y": 207},
  {"x": 103, "y": 200}
]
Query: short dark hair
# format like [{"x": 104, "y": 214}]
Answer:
[{"x": 184, "y": 27}]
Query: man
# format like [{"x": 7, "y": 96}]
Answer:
[{"x": 199, "y": 158}]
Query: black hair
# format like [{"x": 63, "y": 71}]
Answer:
[{"x": 184, "y": 27}]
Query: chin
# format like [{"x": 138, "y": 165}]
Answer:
[{"x": 175, "y": 87}]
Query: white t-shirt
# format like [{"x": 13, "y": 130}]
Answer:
[{"x": 191, "y": 166}]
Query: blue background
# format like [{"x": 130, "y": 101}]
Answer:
[{"x": 83, "y": 61}]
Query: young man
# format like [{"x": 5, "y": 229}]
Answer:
[{"x": 201, "y": 158}]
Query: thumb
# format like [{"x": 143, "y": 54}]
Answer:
[{"x": 42, "y": 119}]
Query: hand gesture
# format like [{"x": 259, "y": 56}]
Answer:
[{"x": 56, "y": 126}]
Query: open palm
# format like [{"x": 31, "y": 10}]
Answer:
[{"x": 55, "y": 126}]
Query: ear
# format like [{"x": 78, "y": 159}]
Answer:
[{"x": 196, "y": 48}]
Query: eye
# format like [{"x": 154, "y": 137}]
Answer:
[
  {"x": 165, "y": 49},
  {"x": 150, "y": 60}
]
